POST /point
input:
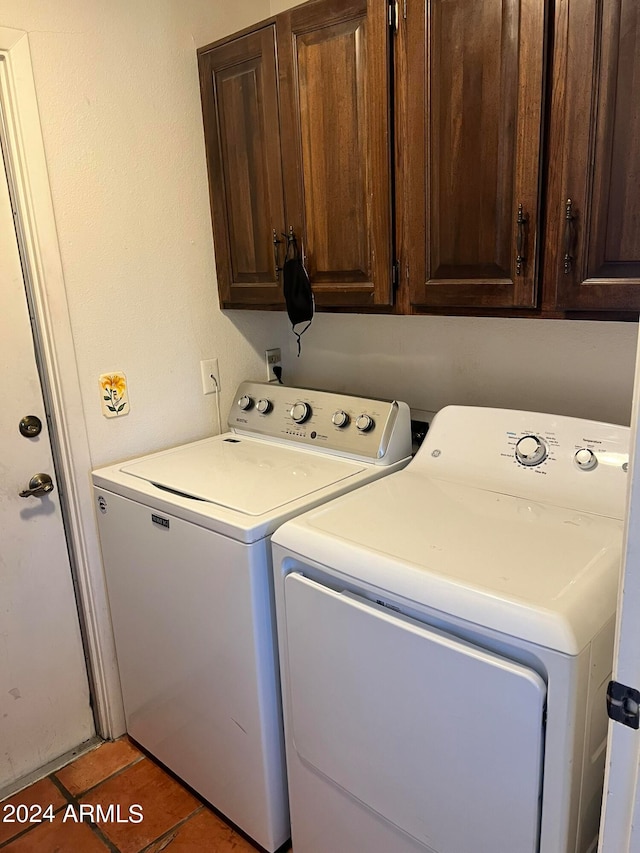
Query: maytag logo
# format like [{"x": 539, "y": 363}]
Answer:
[{"x": 160, "y": 521}]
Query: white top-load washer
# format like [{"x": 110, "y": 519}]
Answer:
[
  {"x": 446, "y": 641},
  {"x": 185, "y": 538}
]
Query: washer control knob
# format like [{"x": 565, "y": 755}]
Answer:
[
  {"x": 264, "y": 406},
  {"x": 531, "y": 450},
  {"x": 245, "y": 402},
  {"x": 300, "y": 412},
  {"x": 365, "y": 423},
  {"x": 340, "y": 418},
  {"x": 586, "y": 459}
]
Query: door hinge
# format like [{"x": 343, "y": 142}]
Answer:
[
  {"x": 623, "y": 704},
  {"x": 394, "y": 15}
]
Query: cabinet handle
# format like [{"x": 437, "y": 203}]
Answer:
[
  {"x": 521, "y": 256},
  {"x": 291, "y": 241},
  {"x": 569, "y": 236},
  {"x": 276, "y": 243}
]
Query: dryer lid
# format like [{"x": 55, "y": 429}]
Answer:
[{"x": 249, "y": 476}]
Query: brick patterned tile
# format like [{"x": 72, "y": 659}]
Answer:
[
  {"x": 97, "y": 765},
  {"x": 43, "y": 793},
  {"x": 203, "y": 832},
  {"x": 57, "y": 837},
  {"x": 165, "y": 803}
]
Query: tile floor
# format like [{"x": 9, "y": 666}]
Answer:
[{"x": 118, "y": 773}]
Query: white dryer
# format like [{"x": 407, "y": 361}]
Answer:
[
  {"x": 446, "y": 641},
  {"x": 185, "y": 538}
]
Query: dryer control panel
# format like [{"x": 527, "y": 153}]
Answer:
[
  {"x": 570, "y": 462},
  {"x": 357, "y": 427}
]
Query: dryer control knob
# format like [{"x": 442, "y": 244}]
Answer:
[
  {"x": 585, "y": 459},
  {"x": 365, "y": 423},
  {"x": 531, "y": 450},
  {"x": 264, "y": 406},
  {"x": 340, "y": 418},
  {"x": 245, "y": 402},
  {"x": 300, "y": 412}
]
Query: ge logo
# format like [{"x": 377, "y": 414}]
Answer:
[
  {"x": 102, "y": 505},
  {"x": 436, "y": 453}
]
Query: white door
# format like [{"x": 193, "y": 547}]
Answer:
[{"x": 44, "y": 695}]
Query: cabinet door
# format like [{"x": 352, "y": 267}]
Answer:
[
  {"x": 593, "y": 233},
  {"x": 474, "y": 88},
  {"x": 334, "y": 76},
  {"x": 239, "y": 87}
]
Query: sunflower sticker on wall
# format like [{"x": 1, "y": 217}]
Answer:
[{"x": 113, "y": 395}]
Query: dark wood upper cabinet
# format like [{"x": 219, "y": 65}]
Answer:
[
  {"x": 474, "y": 95},
  {"x": 297, "y": 137},
  {"x": 593, "y": 212},
  {"x": 335, "y": 121},
  {"x": 239, "y": 88},
  {"x": 487, "y": 151}
]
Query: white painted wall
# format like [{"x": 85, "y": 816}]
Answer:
[
  {"x": 281, "y": 5},
  {"x": 568, "y": 367},
  {"x": 119, "y": 102}
]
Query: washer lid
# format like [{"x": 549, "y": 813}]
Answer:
[
  {"x": 527, "y": 569},
  {"x": 248, "y": 476}
]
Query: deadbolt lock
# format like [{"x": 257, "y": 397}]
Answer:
[{"x": 30, "y": 426}]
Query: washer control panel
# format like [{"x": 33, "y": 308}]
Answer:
[
  {"x": 361, "y": 427},
  {"x": 300, "y": 412}
]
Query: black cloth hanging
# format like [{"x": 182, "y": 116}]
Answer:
[{"x": 298, "y": 294}]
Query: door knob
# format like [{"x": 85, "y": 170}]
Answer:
[{"x": 39, "y": 485}]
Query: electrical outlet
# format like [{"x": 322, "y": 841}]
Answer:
[
  {"x": 273, "y": 358},
  {"x": 210, "y": 376}
]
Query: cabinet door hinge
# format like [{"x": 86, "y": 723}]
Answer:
[
  {"x": 394, "y": 15},
  {"x": 395, "y": 274},
  {"x": 623, "y": 704}
]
